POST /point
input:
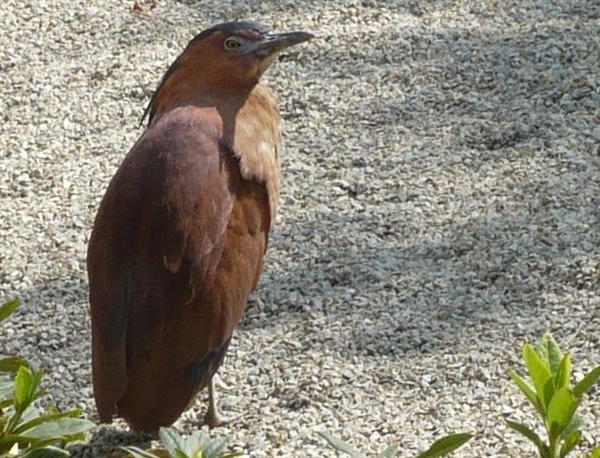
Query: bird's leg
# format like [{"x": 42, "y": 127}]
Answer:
[{"x": 213, "y": 417}]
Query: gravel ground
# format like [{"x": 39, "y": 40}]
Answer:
[{"x": 440, "y": 205}]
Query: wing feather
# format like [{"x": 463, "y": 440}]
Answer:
[{"x": 177, "y": 247}]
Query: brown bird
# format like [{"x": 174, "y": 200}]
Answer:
[{"x": 179, "y": 240}]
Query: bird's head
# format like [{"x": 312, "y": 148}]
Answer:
[
  {"x": 224, "y": 60},
  {"x": 241, "y": 52}
]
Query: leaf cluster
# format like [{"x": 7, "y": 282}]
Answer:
[
  {"x": 551, "y": 394},
  {"x": 441, "y": 447},
  {"x": 553, "y": 398},
  {"x": 198, "y": 445},
  {"x": 26, "y": 431}
]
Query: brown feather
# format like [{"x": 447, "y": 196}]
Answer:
[
  {"x": 177, "y": 247},
  {"x": 249, "y": 122},
  {"x": 179, "y": 240}
]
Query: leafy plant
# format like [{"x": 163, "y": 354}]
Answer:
[
  {"x": 25, "y": 431},
  {"x": 553, "y": 397},
  {"x": 441, "y": 447},
  {"x": 197, "y": 445}
]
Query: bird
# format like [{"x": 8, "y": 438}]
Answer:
[{"x": 179, "y": 239}]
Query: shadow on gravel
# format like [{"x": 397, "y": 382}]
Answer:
[
  {"x": 504, "y": 101},
  {"x": 106, "y": 442},
  {"x": 58, "y": 291},
  {"x": 257, "y": 7},
  {"x": 487, "y": 88},
  {"x": 395, "y": 294}
]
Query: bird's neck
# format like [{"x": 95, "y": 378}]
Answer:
[
  {"x": 247, "y": 125},
  {"x": 173, "y": 94},
  {"x": 241, "y": 118},
  {"x": 254, "y": 136}
]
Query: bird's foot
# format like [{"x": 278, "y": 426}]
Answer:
[{"x": 214, "y": 418}]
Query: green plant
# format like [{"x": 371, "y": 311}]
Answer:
[
  {"x": 197, "y": 445},
  {"x": 441, "y": 447},
  {"x": 553, "y": 398},
  {"x": 25, "y": 431}
]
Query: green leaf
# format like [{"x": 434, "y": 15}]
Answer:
[
  {"x": 46, "y": 452},
  {"x": 389, "y": 452},
  {"x": 595, "y": 452},
  {"x": 35, "y": 444},
  {"x": 138, "y": 452},
  {"x": 25, "y": 391},
  {"x": 26, "y": 387},
  {"x": 198, "y": 444},
  {"x": 30, "y": 413},
  {"x": 549, "y": 352},
  {"x": 44, "y": 436},
  {"x": 446, "y": 445},
  {"x": 63, "y": 428},
  {"x": 587, "y": 382},
  {"x": 533, "y": 437},
  {"x": 28, "y": 445},
  {"x": 12, "y": 363},
  {"x": 8, "y": 308},
  {"x": 575, "y": 423},
  {"x": 570, "y": 443},
  {"x": 171, "y": 440},
  {"x": 214, "y": 448},
  {"x": 6, "y": 388},
  {"x": 7, "y": 441},
  {"x": 539, "y": 373},
  {"x": 39, "y": 419},
  {"x": 563, "y": 374},
  {"x": 23, "y": 384},
  {"x": 548, "y": 393},
  {"x": 341, "y": 446},
  {"x": 528, "y": 391},
  {"x": 561, "y": 408}
]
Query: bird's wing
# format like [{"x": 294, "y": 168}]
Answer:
[{"x": 159, "y": 283}]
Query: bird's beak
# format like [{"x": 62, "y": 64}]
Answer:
[{"x": 275, "y": 42}]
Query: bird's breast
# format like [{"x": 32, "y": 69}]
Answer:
[{"x": 257, "y": 141}]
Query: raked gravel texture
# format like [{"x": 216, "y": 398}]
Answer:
[{"x": 440, "y": 205}]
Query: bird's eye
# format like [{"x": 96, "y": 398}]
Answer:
[{"x": 232, "y": 44}]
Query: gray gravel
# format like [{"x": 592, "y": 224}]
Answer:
[{"x": 440, "y": 205}]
